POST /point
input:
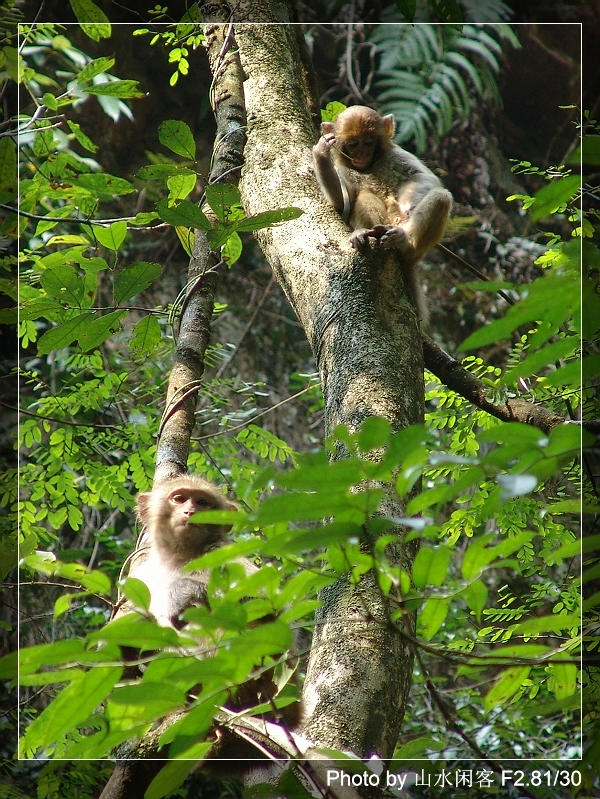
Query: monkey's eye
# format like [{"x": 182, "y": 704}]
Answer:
[
  {"x": 203, "y": 502},
  {"x": 178, "y": 499}
]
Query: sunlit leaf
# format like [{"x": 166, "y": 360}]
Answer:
[
  {"x": 177, "y": 137},
  {"x": 506, "y": 686},
  {"x": 134, "y": 279}
]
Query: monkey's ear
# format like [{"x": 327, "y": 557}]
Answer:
[
  {"x": 327, "y": 127},
  {"x": 229, "y": 506},
  {"x": 142, "y": 504},
  {"x": 389, "y": 124}
]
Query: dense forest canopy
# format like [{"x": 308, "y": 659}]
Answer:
[{"x": 414, "y": 501}]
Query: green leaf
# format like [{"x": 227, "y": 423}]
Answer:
[
  {"x": 590, "y": 151},
  {"x": 254, "y": 643},
  {"x": 59, "y": 337},
  {"x": 221, "y": 197},
  {"x": 418, "y": 747},
  {"x": 73, "y": 651},
  {"x": 328, "y": 535},
  {"x": 70, "y": 708},
  {"x": 173, "y": 773},
  {"x": 155, "y": 699},
  {"x": 43, "y": 226},
  {"x": 134, "y": 630},
  {"x": 544, "y": 624},
  {"x": 475, "y": 595},
  {"x": 232, "y": 249},
  {"x": 68, "y": 238},
  {"x": 408, "y": 9},
  {"x": 186, "y": 237},
  {"x": 336, "y": 475},
  {"x": 507, "y": 433},
  {"x": 145, "y": 336},
  {"x": 96, "y": 582},
  {"x": 181, "y": 184},
  {"x": 99, "y": 329},
  {"x": 430, "y": 566},
  {"x": 184, "y": 213},
  {"x": 555, "y": 196},
  {"x": 63, "y": 603},
  {"x": 509, "y": 683},
  {"x": 144, "y": 218},
  {"x": 432, "y": 616},
  {"x": 564, "y": 682},
  {"x": 299, "y": 507},
  {"x": 265, "y": 219},
  {"x": 134, "y": 279},
  {"x": 515, "y": 651},
  {"x": 87, "y": 12},
  {"x": 64, "y": 283},
  {"x": 8, "y": 165},
  {"x": 566, "y": 439},
  {"x": 538, "y": 708},
  {"x": 49, "y": 101},
  {"x": 84, "y": 140},
  {"x": 538, "y": 304},
  {"x": 476, "y": 556},
  {"x": 116, "y": 88},
  {"x": 9, "y": 665},
  {"x": 542, "y": 358},
  {"x": 160, "y": 171},
  {"x": 104, "y": 184},
  {"x": 445, "y": 492},
  {"x": 111, "y": 237},
  {"x": 374, "y": 433},
  {"x": 177, "y": 137},
  {"x": 95, "y": 67}
]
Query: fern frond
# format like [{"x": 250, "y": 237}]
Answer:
[
  {"x": 10, "y": 16},
  {"x": 486, "y": 10},
  {"x": 429, "y": 74}
]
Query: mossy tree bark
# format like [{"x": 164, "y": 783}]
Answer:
[{"x": 367, "y": 345}]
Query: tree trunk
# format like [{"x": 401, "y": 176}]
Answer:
[{"x": 367, "y": 345}]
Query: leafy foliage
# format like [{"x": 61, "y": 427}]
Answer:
[
  {"x": 496, "y": 582},
  {"x": 178, "y": 40},
  {"x": 428, "y": 74}
]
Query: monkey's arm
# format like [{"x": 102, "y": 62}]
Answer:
[
  {"x": 326, "y": 173},
  {"x": 423, "y": 227},
  {"x": 185, "y": 592}
]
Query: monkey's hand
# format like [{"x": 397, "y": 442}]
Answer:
[
  {"x": 185, "y": 592},
  {"x": 324, "y": 145},
  {"x": 391, "y": 237},
  {"x": 359, "y": 237}
]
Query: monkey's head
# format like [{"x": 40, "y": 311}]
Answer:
[
  {"x": 166, "y": 512},
  {"x": 361, "y": 134}
]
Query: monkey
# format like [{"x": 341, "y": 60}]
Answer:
[
  {"x": 382, "y": 191},
  {"x": 175, "y": 541}
]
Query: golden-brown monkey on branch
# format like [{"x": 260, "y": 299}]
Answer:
[
  {"x": 175, "y": 541},
  {"x": 383, "y": 192}
]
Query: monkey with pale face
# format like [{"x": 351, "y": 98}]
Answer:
[
  {"x": 175, "y": 541},
  {"x": 384, "y": 192}
]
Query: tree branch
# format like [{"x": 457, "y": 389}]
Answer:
[
  {"x": 133, "y": 774},
  {"x": 194, "y": 330},
  {"x": 457, "y": 378}
]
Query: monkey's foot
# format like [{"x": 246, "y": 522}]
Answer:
[
  {"x": 358, "y": 238},
  {"x": 394, "y": 238}
]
